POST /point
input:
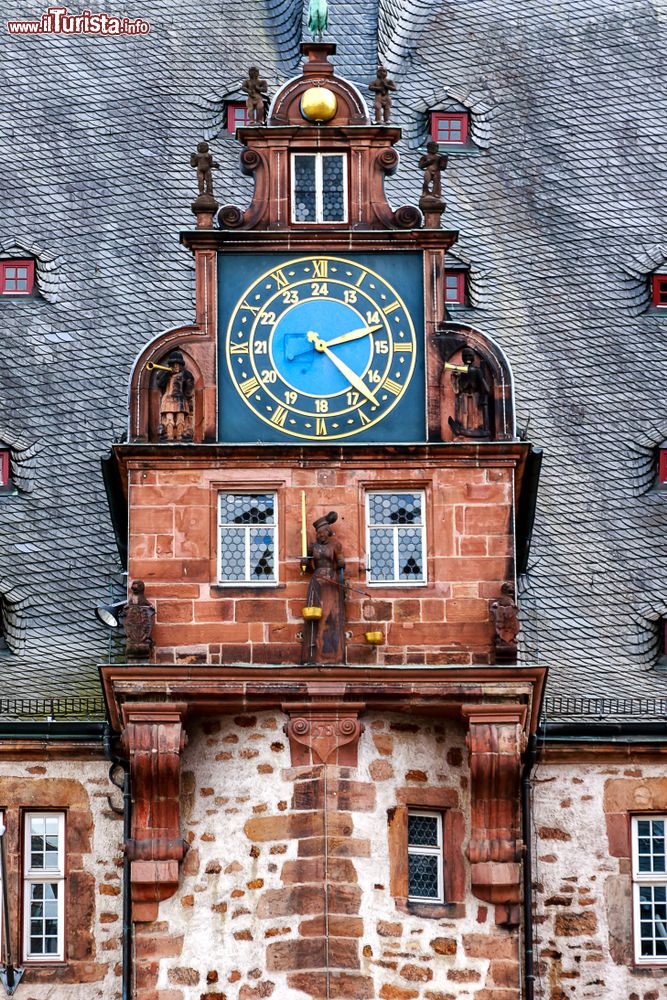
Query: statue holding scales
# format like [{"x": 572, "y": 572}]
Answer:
[{"x": 324, "y": 614}]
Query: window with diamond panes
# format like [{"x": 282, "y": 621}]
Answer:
[
  {"x": 649, "y": 874},
  {"x": 319, "y": 187},
  {"x": 396, "y": 549},
  {"x": 425, "y": 859},
  {"x": 44, "y": 887},
  {"x": 247, "y": 538}
]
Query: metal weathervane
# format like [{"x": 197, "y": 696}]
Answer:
[{"x": 318, "y": 18}]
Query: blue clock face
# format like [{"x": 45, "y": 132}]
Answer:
[{"x": 321, "y": 348}]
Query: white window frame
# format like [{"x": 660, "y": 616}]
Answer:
[
  {"x": 248, "y": 581},
  {"x": 436, "y": 851},
  {"x": 639, "y": 880},
  {"x": 319, "y": 190},
  {"x": 396, "y": 582},
  {"x": 43, "y": 876}
]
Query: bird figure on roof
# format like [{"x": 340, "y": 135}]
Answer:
[{"x": 318, "y": 17}]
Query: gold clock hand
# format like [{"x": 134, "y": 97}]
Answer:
[
  {"x": 363, "y": 331},
  {"x": 352, "y": 377}
]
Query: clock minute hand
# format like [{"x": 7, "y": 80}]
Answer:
[
  {"x": 352, "y": 377},
  {"x": 344, "y": 338}
]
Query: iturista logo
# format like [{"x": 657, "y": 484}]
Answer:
[{"x": 59, "y": 21}]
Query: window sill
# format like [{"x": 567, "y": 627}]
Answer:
[
  {"x": 431, "y": 911},
  {"x": 224, "y": 588}
]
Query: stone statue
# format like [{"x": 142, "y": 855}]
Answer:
[
  {"x": 382, "y": 87},
  {"x": 204, "y": 164},
  {"x": 432, "y": 163},
  {"x": 324, "y": 638},
  {"x": 254, "y": 88},
  {"x": 318, "y": 18},
  {"x": 471, "y": 407},
  {"x": 507, "y": 626},
  {"x": 177, "y": 400},
  {"x": 137, "y": 617}
]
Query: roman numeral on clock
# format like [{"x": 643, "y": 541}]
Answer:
[
  {"x": 279, "y": 278},
  {"x": 403, "y": 347},
  {"x": 320, "y": 268},
  {"x": 362, "y": 416},
  {"x": 390, "y": 308},
  {"x": 279, "y": 416},
  {"x": 238, "y": 349},
  {"x": 321, "y": 427},
  {"x": 392, "y": 386},
  {"x": 253, "y": 309},
  {"x": 248, "y": 387}
]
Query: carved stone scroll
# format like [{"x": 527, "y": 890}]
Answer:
[
  {"x": 496, "y": 742},
  {"x": 324, "y": 732},
  {"x": 153, "y": 739}
]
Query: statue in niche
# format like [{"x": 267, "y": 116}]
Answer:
[
  {"x": 432, "y": 163},
  {"x": 324, "y": 637},
  {"x": 254, "y": 87},
  {"x": 137, "y": 617},
  {"x": 177, "y": 387},
  {"x": 382, "y": 87},
  {"x": 471, "y": 393},
  {"x": 204, "y": 164},
  {"x": 507, "y": 626}
]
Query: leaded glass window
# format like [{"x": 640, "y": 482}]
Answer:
[
  {"x": 44, "y": 886},
  {"x": 425, "y": 858},
  {"x": 396, "y": 542},
  {"x": 247, "y": 538},
  {"x": 319, "y": 187},
  {"x": 650, "y": 889}
]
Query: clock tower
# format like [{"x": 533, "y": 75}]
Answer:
[{"x": 326, "y": 504}]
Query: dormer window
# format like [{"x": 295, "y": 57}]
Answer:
[
  {"x": 237, "y": 116},
  {"x": 17, "y": 277},
  {"x": 659, "y": 291},
  {"x": 319, "y": 187},
  {"x": 449, "y": 127}
]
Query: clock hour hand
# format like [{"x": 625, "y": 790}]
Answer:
[
  {"x": 352, "y": 377},
  {"x": 344, "y": 338}
]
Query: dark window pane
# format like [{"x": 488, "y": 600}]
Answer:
[
  {"x": 332, "y": 188},
  {"x": 423, "y": 876},
  {"x": 423, "y": 831},
  {"x": 305, "y": 201}
]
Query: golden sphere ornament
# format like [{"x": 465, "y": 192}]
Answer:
[{"x": 319, "y": 104}]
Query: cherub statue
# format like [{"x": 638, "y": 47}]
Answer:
[
  {"x": 176, "y": 403},
  {"x": 254, "y": 87},
  {"x": 137, "y": 617},
  {"x": 204, "y": 164},
  {"x": 432, "y": 163},
  {"x": 382, "y": 86}
]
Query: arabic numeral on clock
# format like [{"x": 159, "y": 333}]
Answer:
[
  {"x": 319, "y": 288},
  {"x": 372, "y": 317},
  {"x": 268, "y": 319},
  {"x": 382, "y": 347},
  {"x": 349, "y": 296},
  {"x": 352, "y": 398},
  {"x": 261, "y": 347},
  {"x": 291, "y": 396},
  {"x": 374, "y": 375},
  {"x": 267, "y": 375},
  {"x": 290, "y": 298},
  {"x": 322, "y": 405}
]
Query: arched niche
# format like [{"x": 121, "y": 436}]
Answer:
[{"x": 476, "y": 404}]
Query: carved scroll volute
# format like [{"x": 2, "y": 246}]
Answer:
[
  {"x": 324, "y": 733},
  {"x": 154, "y": 739},
  {"x": 496, "y": 742}
]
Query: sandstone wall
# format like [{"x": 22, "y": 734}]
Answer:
[
  {"x": 583, "y": 882},
  {"x": 278, "y": 857},
  {"x": 93, "y": 895}
]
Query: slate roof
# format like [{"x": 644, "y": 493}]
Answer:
[{"x": 561, "y": 209}]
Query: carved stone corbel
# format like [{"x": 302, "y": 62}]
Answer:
[
  {"x": 154, "y": 738},
  {"x": 324, "y": 732},
  {"x": 496, "y": 742}
]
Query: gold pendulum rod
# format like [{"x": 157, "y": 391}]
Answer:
[{"x": 304, "y": 536}]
